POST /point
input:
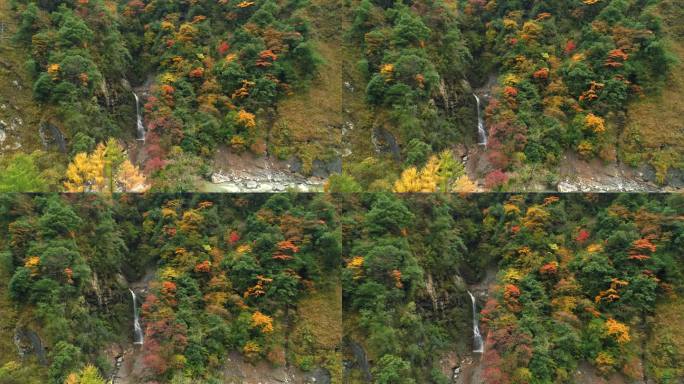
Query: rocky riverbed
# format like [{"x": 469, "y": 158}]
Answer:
[
  {"x": 261, "y": 180},
  {"x": 246, "y": 173},
  {"x": 578, "y": 175},
  {"x": 604, "y": 184}
]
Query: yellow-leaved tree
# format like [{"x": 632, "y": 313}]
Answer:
[
  {"x": 441, "y": 173},
  {"x": 262, "y": 322},
  {"x": 106, "y": 169},
  {"x": 88, "y": 375},
  {"x": 464, "y": 185},
  {"x": 413, "y": 181},
  {"x": 129, "y": 178},
  {"x": 85, "y": 173}
]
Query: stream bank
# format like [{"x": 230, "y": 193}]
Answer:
[{"x": 247, "y": 173}]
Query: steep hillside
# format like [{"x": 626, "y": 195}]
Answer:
[
  {"x": 529, "y": 97},
  {"x": 211, "y": 289},
  {"x": 20, "y": 117},
  {"x": 664, "y": 357},
  {"x": 192, "y": 92},
  {"x": 309, "y": 122},
  {"x": 654, "y": 131},
  {"x": 26, "y": 141},
  {"x": 494, "y": 288}
]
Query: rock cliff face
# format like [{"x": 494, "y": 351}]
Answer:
[{"x": 29, "y": 345}]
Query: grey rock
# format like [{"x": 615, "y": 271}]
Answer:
[
  {"x": 360, "y": 361},
  {"x": 566, "y": 187},
  {"x": 647, "y": 172},
  {"x": 349, "y": 86},
  {"x": 29, "y": 343},
  {"x": 319, "y": 376},
  {"x": 604, "y": 184},
  {"x": 675, "y": 178},
  {"x": 385, "y": 142},
  {"x": 296, "y": 164},
  {"x": 52, "y": 137},
  {"x": 324, "y": 169}
]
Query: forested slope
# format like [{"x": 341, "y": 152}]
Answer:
[
  {"x": 223, "y": 282},
  {"x": 563, "y": 284},
  {"x": 518, "y": 96},
  {"x": 176, "y": 84},
  {"x": 547, "y": 82},
  {"x": 381, "y": 288}
]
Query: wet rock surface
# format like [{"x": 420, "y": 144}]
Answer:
[
  {"x": 52, "y": 137},
  {"x": 323, "y": 169},
  {"x": 29, "y": 344},
  {"x": 450, "y": 365},
  {"x": 359, "y": 360},
  {"x": 675, "y": 178},
  {"x": 128, "y": 365},
  {"x": 385, "y": 142},
  {"x": 469, "y": 371}
]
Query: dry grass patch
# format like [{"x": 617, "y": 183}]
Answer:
[
  {"x": 655, "y": 128},
  {"x": 308, "y": 122}
]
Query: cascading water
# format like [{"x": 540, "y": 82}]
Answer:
[
  {"x": 481, "y": 133},
  {"x": 137, "y": 329},
  {"x": 139, "y": 120},
  {"x": 478, "y": 345}
]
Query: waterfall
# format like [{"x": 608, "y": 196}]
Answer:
[
  {"x": 481, "y": 133},
  {"x": 137, "y": 329},
  {"x": 478, "y": 345},
  {"x": 139, "y": 120}
]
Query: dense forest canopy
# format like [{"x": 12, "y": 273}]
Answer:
[
  {"x": 381, "y": 284},
  {"x": 203, "y": 74},
  {"x": 520, "y": 95},
  {"x": 563, "y": 281},
  {"x": 549, "y": 77},
  {"x": 216, "y": 274}
]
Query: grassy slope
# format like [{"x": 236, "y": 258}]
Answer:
[
  {"x": 362, "y": 118},
  {"x": 18, "y": 100},
  {"x": 320, "y": 319},
  {"x": 354, "y": 107},
  {"x": 308, "y": 121},
  {"x": 665, "y": 347},
  {"x": 655, "y": 129}
]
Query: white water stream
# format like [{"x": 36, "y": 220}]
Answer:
[
  {"x": 478, "y": 345},
  {"x": 137, "y": 328},
  {"x": 481, "y": 132},
  {"x": 139, "y": 120}
]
